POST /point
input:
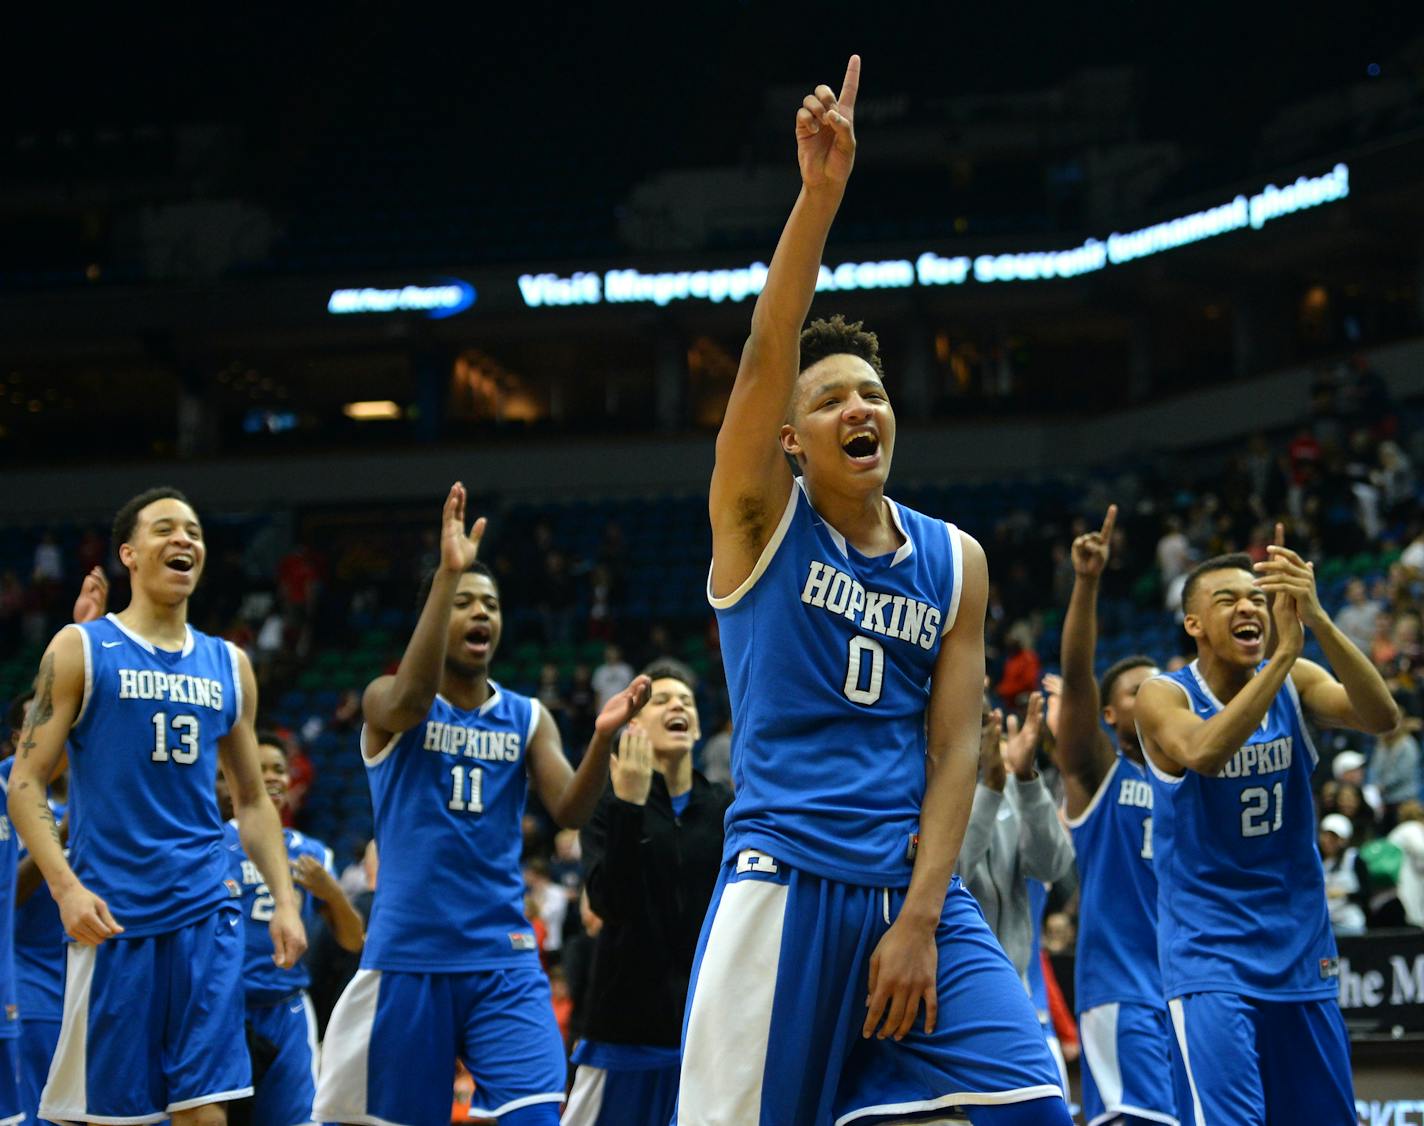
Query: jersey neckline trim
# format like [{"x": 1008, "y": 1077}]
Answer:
[{"x": 189, "y": 642}]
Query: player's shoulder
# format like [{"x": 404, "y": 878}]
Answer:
[{"x": 299, "y": 843}]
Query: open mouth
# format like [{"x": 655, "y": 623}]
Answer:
[
  {"x": 1247, "y": 633},
  {"x": 863, "y": 445},
  {"x": 477, "y": 639},
  {"x": 276, "y": 792},
  {"x": 181, "y": 563},
  {"x": 677, "y": 723}
]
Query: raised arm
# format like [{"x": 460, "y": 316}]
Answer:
[
  {"x": 1045, "y": 850},
  {"x": 59, "y": 694},
  {"x": 1360, "y": 699},
  {"x": 902, "y": 968},
  {"x": 571, "y": 795},
  {"x": 258, "y": 825},
  {"x": 1082, "y": 751},
  {"x": 393, "y": 704},
  {"x": 1181, "y": 740},
  {"x": 751, "y": 481}
]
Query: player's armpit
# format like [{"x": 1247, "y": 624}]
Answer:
[
  {"x": 387, "y": 714},
  {"x": 1166, "y": 723}
]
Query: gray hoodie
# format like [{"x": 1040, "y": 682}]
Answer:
[{"x": 1012, "y": 837}]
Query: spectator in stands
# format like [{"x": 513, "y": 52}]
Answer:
[
  {"x": 1357, "y": 617},
  {"x": 653, "y": 850},
  {"x": 1395, "y": 479},
  {"x": 1174, "y": 552},
  {"x": 1412, "y": 558},
  {"x": 1014, "y": 834},
  {"x": 556, "y": 597},
  {"x": 717, "y": 756},
  {"x": 1060, "y": 933},
  {"x": 12, "y": 609},
  {"x": 1022, "y": 668},
  {"x": 552, "y": 903},
  {"x": 551, "y": 695},
  {"x": 1408, "y": 837},
  {"x": 1350, "y": 801},
  {"x": 611, "y": 677},
  {"x": 1346, "y": 880},
  {"x": 49, "y": 563},
  {"x": 1394, "y": 767},
  {"x": 601, "y": 599}
]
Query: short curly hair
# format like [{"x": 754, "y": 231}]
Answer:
[{"x": 836, "y": 337}]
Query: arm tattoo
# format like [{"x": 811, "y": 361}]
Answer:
[
  {"x": 48, "y": 815},
  {"x": 42, "y": 710}
]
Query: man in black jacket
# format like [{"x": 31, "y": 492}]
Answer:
[{"x": 651, "y": 853}]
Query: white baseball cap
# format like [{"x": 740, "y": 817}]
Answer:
[
  {"x": 1345, "y": 762},
  {"x": 1338, "y": 824}
]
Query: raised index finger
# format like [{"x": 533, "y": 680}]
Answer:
[
  {"x": 850, "y": 84},
  {"x": 1108, "y": 521},
  {"x": 1280, "y": 535}
]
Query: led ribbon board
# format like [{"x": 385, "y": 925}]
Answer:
[
  {"x": 435, "y": 301},
  {"x": 628, "y": 286}
]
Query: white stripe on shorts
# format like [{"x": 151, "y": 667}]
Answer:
[
  {"x": 64, "y": 1095},
  {"x": 341, "y": 1084},
  {"x": 1179, "y": 1024},
  {"x": 586, "y": 1099},
  {"x": 724, "y": 1057},
  {"x": 1097, "y": 1027}
]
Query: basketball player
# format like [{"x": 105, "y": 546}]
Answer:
[
  {"x": 280, "y": 1017},
  {"x": 451, "y": 969},
  {"x": 1248, "y": 959},
  {"x": 153, "y": 1002},
  {"x": 652, "y": 853},
  {"x": 841, "y": 973},
  {"x": 1132, "y": 1073},
  {"x": 39, "y": 934}
]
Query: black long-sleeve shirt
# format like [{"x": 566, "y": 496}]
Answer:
[{"x": 650, "y": 876}]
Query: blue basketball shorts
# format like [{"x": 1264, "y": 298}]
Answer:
[
  {"x": 1264, "y": 1063},
  {"x": 614, "y": 1097},
  {"x": 1132, "y": 1066},
  {"x": 11, "y": 1108},
  {"x": 286, "y": 1090},
  {"x": 152, "y": 1025},
  {"x": 38, "y": 1039},
  {"x": 391, "y": 1045},
  {"x": 772, "y": 1033}
]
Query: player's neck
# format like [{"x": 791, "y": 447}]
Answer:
[
  {"x": 165, "y": 627},
  {"x": 466, "y": 692},
  {"x": 863, "y": 519},
  {"x": 1131, "y": 751},
  {"x": 1222, "y": 677},
  {"x": 676, "y": 770}
]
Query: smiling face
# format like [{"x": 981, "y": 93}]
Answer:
[
  {"x": 670, "y": 717},
  {"x": 842, "y": 428},
  {"x": 475, "y": 625},
  {"x": 276, "y": 778},
  {"x": 165, "y": 552},
  {"x": 1229, "y": 617}
]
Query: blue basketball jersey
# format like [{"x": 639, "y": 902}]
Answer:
[
  {"x": 144, "y": 829},
  {"x": 449, "y": 798},
  {"x": 1117, "y": 919},
  {"x": 1241, "y": 893},
  {"x": 9, "y": 857},
  {"x": 262, "y": 978},
  {"x": 828, "y": 655},
  {"x": 39, "y": 939}
]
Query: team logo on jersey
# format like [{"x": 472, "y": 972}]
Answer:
[
  {"x": 1329, "y": 967},
  {"x": 473, "y": 742},
  {"x": 890, "y": 615},
  {"x": 12, "y": 1012},
  {"x": 522, "y": 940},
  {"x": 1260, "y": 758},
  {"x": 234, "y": 889},
  {"x": 178, "y": 687}
]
